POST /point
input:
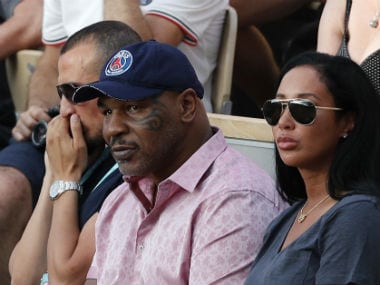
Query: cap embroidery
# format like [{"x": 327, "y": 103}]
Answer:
[{"x": 119, "y": 64}]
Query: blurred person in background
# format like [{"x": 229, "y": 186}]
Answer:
[
  {"x": 268, "y": 30},
  {"x": 351, "y": 29},
  {"x": 20, "y": 28}
]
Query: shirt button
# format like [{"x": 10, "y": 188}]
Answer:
[{"x": 140, "y": 246}]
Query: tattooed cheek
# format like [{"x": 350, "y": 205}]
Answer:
[{"x": 153, "y": 122}]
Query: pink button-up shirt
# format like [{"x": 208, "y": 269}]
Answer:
[{"x": 206, "y": 226}]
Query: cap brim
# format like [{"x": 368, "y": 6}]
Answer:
[{"x": 118, "y": 90}]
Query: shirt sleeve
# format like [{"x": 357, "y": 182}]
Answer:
[
  {"x": 53, "y": 30},
  {"x": 350, "y": 249},
  {"x": 227, "y": 236},
  {"x": 193, "y": 17},
  {"x": 62, "y": 18}
]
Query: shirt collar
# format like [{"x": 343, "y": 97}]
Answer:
[
  {"x": 199, "y": 162},
  {"x": 196, "y": 165}
]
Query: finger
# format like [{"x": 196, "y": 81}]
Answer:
[
  {"x": 21, "y": 131},
  {"x": 27, "y": 121},
  {"x": 39, "y": 114},
  {"x": 58, "y": 130},
  {"x": 76, "y": 130},
  {"x": 59, "y": 144},
  {"x": 17, "y": 135}
]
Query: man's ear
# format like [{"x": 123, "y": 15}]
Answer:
[{"x": 189, "y": 101}]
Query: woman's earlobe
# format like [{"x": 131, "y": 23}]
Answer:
[{"x": 350, "y": 124}]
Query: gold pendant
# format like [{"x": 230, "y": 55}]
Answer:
[{"x": 301, "y": 218}]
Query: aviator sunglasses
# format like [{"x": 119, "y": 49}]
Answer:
[
  {"x": 67, "y": 90},
  {"x": 303, "y": 111}
]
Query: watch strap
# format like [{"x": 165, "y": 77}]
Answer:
[{"x": 64, "y": 186}]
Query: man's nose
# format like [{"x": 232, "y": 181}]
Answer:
[{"x": 67, "y": 107}]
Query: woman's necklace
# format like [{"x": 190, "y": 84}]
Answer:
[
  {"x": 375, "y": 20},
  {"x": 302, "y": 216}
]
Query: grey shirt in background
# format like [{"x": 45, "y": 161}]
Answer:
[
  {"x": 343, "y": 246},
  {"x": 6, "y": 8}
]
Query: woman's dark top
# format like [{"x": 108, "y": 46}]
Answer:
[{"x": 342, "y": 247}]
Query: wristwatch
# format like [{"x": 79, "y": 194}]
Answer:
[{"x": 60, "y": 186}]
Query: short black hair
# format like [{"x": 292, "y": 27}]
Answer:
[
  {"x": 108, "y": 37},
  {"x": 356, "y": 165}
]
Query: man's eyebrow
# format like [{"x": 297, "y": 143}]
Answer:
[{"x": 299, "y": 95}]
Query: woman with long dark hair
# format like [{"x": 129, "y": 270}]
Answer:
[{"x": 326, "y": 126}]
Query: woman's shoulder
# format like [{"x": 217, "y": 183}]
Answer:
[
  {"x": 357, "y": 210},
  {"x": 360, "y": 200}
]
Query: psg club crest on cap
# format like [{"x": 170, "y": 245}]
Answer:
[{"x": 120, "y": 63}]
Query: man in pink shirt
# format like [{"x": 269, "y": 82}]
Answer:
[{"x": 192, "y": 210}]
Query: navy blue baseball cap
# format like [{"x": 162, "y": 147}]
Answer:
[{"x": 142, "y": 70}]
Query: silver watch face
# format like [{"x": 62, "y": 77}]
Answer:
[{"x": 54, "y": 190}]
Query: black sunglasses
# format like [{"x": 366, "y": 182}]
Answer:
[
  {"x": 302, "y": 110},
  {"x": 67, "y": 90}
]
